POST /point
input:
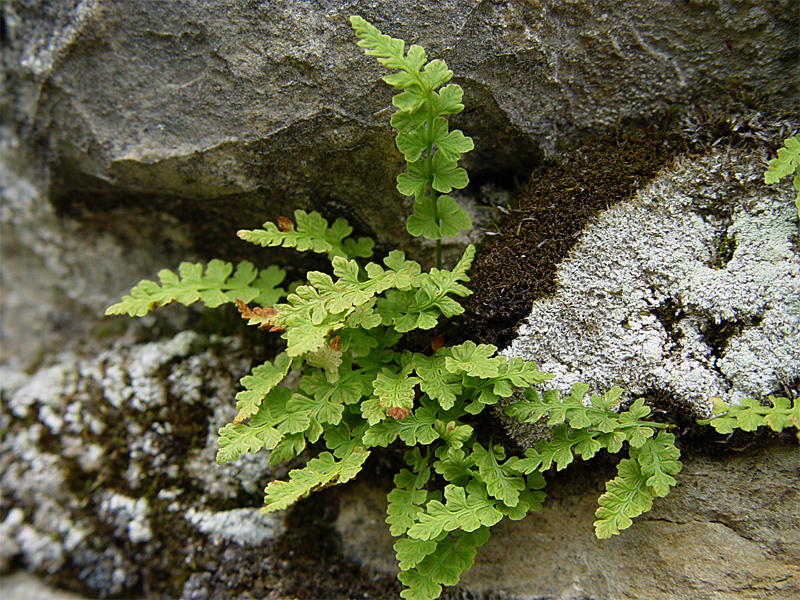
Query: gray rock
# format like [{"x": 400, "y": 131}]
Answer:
[
  {"x": 728, "y": 530},
  {"x": 690, "y": 290},
  {"x": 156, "y": 132},
  {"x": 135, "y": 135},
  {"x": 24, "y": 586},
  {"x": 107, "y": 462}
]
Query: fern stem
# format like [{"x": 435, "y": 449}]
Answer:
[{"x": 431, "y": 116}]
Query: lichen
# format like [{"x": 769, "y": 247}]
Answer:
[
  {"x": 243, "y": 526},
  {"x": 102, "y": 453},
  {"x": 652, "y": 257}
]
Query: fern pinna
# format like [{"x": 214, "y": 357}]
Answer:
[{"x": 356, "y": 391}]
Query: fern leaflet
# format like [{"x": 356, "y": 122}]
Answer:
[
  {"x": 213, "y": 287},
  {"x": 321, "y": 472},
  {"x": 310, "y": 232}
]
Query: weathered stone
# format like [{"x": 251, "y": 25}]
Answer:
[
  {"x": 157, "y": 130},
  {"x": 729, "y": 529},
  {"x": 138, "y": 134},
  {"x": 690, "y": 290},
  {"x": 106, "y": 461}
]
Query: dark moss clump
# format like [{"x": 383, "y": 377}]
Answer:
[{"x": 518, "y": 265}]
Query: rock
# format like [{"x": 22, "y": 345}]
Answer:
[
  {"x": 108, "y": 469},
  {"x": 23, "y": 586},
  {"x": 729, "y": 530},
  {"x": 689, "y": 291},
  {"x": 135, "y": 136},
  {"x": 156, "y": 133}
]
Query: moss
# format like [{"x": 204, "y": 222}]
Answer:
[
  {"x": 725, "y": 247},
  {"x": 517, "y": 264}
]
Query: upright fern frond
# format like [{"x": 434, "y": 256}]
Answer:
[{"x": 431, "y": 150}]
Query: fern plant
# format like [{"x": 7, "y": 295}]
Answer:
[
  {"x": 786, "y": 164},
  {"x": 357, "y": 390},
  {"x": 751, "y": 414}
]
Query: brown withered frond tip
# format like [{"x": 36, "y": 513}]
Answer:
[
  {"x": 263, "y": 317},
  {"x": 335, "y": 342},
  {"x": 437, "y": 342},
  {"x": 397, "y": 412},
  {"x": 285, "y": 225}
]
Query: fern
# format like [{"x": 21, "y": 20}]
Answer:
[
  {"x": 645, "y": 475},
  {"x": 584, "y": 429},
  {"x": 318, "y": 474},
  {"x": 750, "y": 414},
  {"x": 786, "y": 164},
  {"x": 431, "y": 150},
  {"x": 354, "y": 390},
  {"x": 311, "y": 232},
  {"x": 217, "y": 285}
]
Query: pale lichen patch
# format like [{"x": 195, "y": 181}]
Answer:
[{"x": 734, "y": 329}]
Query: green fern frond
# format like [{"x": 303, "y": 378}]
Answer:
[
  {"x": 658, "y": 460},
  {"x": 321, "y": 472},
  {"x": 421, "y": 308},
  {"x": 217, "y": 285},
  {"x": 626, "y": 496},
  {"x": 310, "y": 231},
  {"x": 750, "y": 414},
  {"x": 442, "y": 566},
  {"x": 589, "y": 428},
  {"x": 436, "y": 380},
  {"x": 502, "y": 482},
  {"x": 324, "y": 306},
  {"x": 431, "y": 150},
  {"x": 236, "y": 439},
  {"x": 406, "y": 500},
  {"x": 258, "y": 384},
  {"x": 465, "y": 508},
  {"x": 647, "y": 474},
  {"x": 786, "y": 163}
]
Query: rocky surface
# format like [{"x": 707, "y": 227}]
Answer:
[
  {"x": 729, "y": 530},
  {"x": 157, "y": 130},
  {"x": 689, "y": 291},
  {"x": 108, "y": 470},
  {"x": 23, "y": 586},
  {"x": 136, "y": 135}
]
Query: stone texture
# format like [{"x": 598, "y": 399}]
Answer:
[
  {"x": 729, "y": 530},
  {"x": 108, "y": 469},
  {"x": 690, "y": 290},
  {"x": 138, "y": 134},
  {"x": 23, "y": 586},
  {"x": 156, "y": 129}
]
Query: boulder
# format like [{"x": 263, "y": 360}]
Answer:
[
  {"x": 728, "y": 530},
  {"x": 166, "y": 127}
]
